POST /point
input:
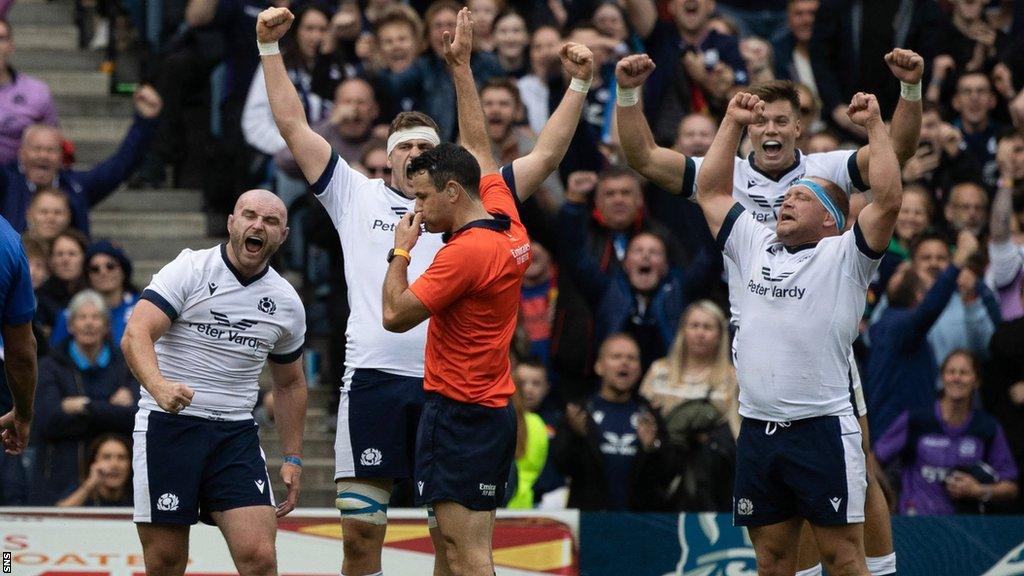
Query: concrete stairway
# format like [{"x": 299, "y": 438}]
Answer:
[{"x": 153, "y": 226}]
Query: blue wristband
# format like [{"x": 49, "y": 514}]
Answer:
[{"x": 293, "y": 460}]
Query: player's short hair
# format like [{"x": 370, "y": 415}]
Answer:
[
  {"x": 406, "y": 120},
  {"x": 400, "y": 14},
  {"x": 618, "y": 171},
  {"x": 775, "y": 90},
  {"x": 447, "y": 163},
  {"x": 504, "y": 83},
  {"x": 613, "y": 337}
]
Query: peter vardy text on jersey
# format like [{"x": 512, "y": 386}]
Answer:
[
  {"x": 222, "y": 334},
  {"x": 775, "y": 291}
]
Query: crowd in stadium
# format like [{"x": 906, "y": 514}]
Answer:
[{"x": 627, "y": 396}]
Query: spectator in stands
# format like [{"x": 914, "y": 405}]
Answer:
[
  {"x": 485, "y": 13},
  {"x": 696, "y": 132},
  {"x": 533, "y": 87},
  {"x": 1006, "y": 257},
  {"x": 537, "y": 302},
  {"x": 428, "y": 82},
  {"x": 531, "y": 451},
  {"x": 843, "y": 64},
  {"x": 106, "y": 476},
  {"x": 67, "y": 277},
  {"x": 49, "y": 214},
  {"x": 792, "y": 46},
  {"x": 510, "y": 42},
  {"x": 38, "y": 254},
  {"x": 759, "y": 59},
  {"x": 971, "y": 41},
  {"x": 109, "y": 273},
  {"x": 939, "y": 161},
  {"x": 697, "y": 368},
  {"x": 955, "y": 456},
  {"x": 902, "y": 369},
  {"x": 608, "y": 446},
  {"x": 810, "y": 116},
  {"x": 85, "y": 389},
  {"x": 967, "y": 209},
  {"x": 398, "y": 32},
  {"x": 40, "y": 166},
  {"x": 299, "y": 50},
  {"x": 914, "y": 220},
  {"x": 824, "y": 141},
  {"x": 696, "y": 67},
  {"x": 24, "y": 100},
  {"x": 610, "y": 20},
  {"x": 974, "y": 100},
  {"x": 617, "y": 216}
]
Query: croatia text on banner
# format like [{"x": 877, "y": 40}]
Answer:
[
  {"x": 709, "y": 545},
  {"x": 103, "y": 542}
]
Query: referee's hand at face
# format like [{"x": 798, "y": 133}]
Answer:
[{"x": 408, "y": 230}]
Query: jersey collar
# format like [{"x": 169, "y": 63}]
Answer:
[
  {"x": 800, "y": 247},
  {"x": 500, "y": 223},
  {"x": 794, "y": 166},
  {"x": 238, "y": 275}
]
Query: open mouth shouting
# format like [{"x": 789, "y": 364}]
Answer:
[
  {"x": 254, "y": 244},
  {"x": 772, "y": 149}
]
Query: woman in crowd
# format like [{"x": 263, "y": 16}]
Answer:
[
  {"x": 510, "y": 42},
  {"x": 533, "y": 87},
  {"x": 85, "y": 389},
  {"x": 48, "y": 215},
  {"x": 109, "y": 272},
  {"x": 106, "y": 476},
  {"x": 67, "y": 270},
  {"x": 915, "y": 219},
  {"x": 955, "y": 456}
]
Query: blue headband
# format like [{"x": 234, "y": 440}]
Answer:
[{"x": 827, "y": 202}]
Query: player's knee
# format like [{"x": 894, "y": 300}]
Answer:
[
  {"x": 775, "y": 561},
  {"x": 163, "y": 560},
  {"x": 362, "y": 503},
  {"x": 362, "y": 540},
  {"x": 257, "y": 559}
]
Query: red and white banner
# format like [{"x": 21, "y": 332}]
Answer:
[{"x": 103, "y": 542}]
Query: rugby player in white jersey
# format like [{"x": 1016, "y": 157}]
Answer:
[
  {"x": 382, "y": 390},
  {"x": 197, "y": 342},
  {"x": 801, "y": 292},
  {"x": 760, "y": 182}
]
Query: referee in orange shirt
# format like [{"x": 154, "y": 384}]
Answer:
[{"x": 466, "y": 437}]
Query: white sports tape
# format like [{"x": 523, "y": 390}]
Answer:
[{"x": 415, "y": 133}]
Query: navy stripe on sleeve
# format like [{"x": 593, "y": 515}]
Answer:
[
  {"x": 286, "y": 358},
  {"x": 855, "y": 175},
  {"x": 160, "y": 303},
  {"x": 320, "y": 185},
  {"x": 862, "y": 243},
  {"x": 726, "y": 229},
  {"x": 689, "y": 178},
  {"x": 508, "y": 174}
]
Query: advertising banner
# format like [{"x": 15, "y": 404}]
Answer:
[{"x": 103, "y": 542}]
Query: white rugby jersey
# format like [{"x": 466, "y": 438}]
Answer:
[
  {"x": 223, "y": 329},
  {"x": 761, "y": 195},
  {"x": 800, "y": 316},
  {"x": 365, "y": 212}
]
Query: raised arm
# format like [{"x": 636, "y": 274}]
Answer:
[
  {"x": 662, "y": 166},
  {"x": 310, "y": 149},
  {"x": 908, "y": 67},
  {"x": 472, "y": 129},
  {"x": 714, "y": 184},
  {"x": 553, "y": 141},
  {"x": 878, "y": 218}
]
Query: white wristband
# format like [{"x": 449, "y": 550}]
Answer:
[
  {"x": 578, "y": 85},
  {"x": 626, "y": 96},
  {"x": 910, "y": 92},
  {"x": 268, "y": 48}
]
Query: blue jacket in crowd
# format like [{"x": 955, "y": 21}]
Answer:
[
  {"x": 63, "y": 438},
  {"x": 902, "y": 368},
  {"x": 84, "y": 188}
]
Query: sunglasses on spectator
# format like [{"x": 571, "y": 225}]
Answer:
[
  {"x": 109, "y": 266},
  {"x": 379, "y": 170}
]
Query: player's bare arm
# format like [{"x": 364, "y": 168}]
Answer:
[
  {"x": 553, "y": 141},
  {"x": 290, "y": 415},
  {"x": 147, "y": 324},
  {"x": 310, "y": 150},
  {"x": 472, "y": 130},
  {"x": 908, "y": 67},
  {"x": 660, "y": 165},
  {"x": 714, "y": 183},
  {"x": 878, "y": 218},
  {"x": 21, "y": 368},
  {"x": 403, "y": 311}
]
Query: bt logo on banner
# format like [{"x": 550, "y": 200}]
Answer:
[{"x": 712, "y": 546}]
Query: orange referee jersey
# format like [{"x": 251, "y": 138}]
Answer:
[{"x": 472, "y": 292}]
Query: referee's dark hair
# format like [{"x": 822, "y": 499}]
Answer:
[
  {"x": 776, "y": 90},
  {"x": 448, "y": 162}
]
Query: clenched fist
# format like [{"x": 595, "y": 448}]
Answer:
[
  {"x": 745, "y": 109},
  {"x": 577, "y": 60},
  {"x": 147, "y": 102},
  {"x": 906, "y": 65},
  {"x": 272, "y": 24},
  {"x": 633, "y": 71},
  {"x": 863, "y": 110}
]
